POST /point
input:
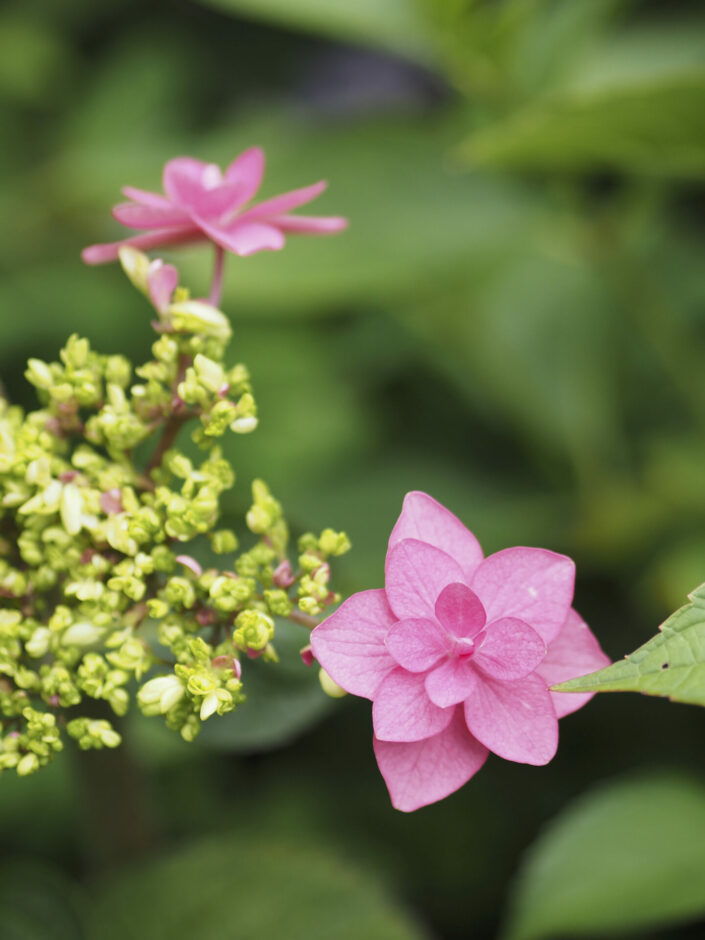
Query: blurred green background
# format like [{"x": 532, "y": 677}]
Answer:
[{"x": 514, "y": 322}]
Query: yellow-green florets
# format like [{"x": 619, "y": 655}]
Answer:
[{"x": 110, "y": 519}]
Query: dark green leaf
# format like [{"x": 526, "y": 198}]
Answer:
[
  {"x": 37, "y": 903},
  {"x": 628, "y": 856},
  {"x": 244, "y": 887}
]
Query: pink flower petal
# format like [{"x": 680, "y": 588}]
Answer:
[
  {"x": 515, "y": 720},
  {"x": 350, "y": 643},
  {"x": 162, "y": 281},
  {"x": 286, "y": 201},
  {"x": 100, "y": 254},
  {"x": 245, "y": 238},
  {"x": 531, "y": 584},
  {"x": 247, "y": 170},
  {"x": 423, "y": 772},
  {"x": 460, "y": 610},
  {"x": 415, "y": 574},
  {"x": 574, "y": 652},
  {"x": 145, "y": 198},
  {"x": 451, "y": 682},
  {"x": 200, "y": 188},
  {"x": 310, "y": 224},
  {"x": 511, "y": 650},
  {"x": 425, "y": 519},
  {"x": 417, "y": 644},
  {"x": 188, "y": 562},
  {"x": 186, "y": 179},
  {"x": 134, "y": 215},
  {"x": 401, "y": 710}
]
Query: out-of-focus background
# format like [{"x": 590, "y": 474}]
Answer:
[{"x": 514, "y": 322}]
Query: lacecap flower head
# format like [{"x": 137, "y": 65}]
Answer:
[
  {"x": 458, "y": 653},
  {"x": 201, "y": 203}
]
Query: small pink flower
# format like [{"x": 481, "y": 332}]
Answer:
[
  {"x": 457, "y": 654},
  {"x": 162, "y": 281},
  {"x": 283, "y": 574},
  {"x": 204, "y": 204}
]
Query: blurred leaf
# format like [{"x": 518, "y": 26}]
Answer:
[
  {"x": 522, "y": 338},
  {"x": 283, "y": 700},
  {"x": 512, "y": 50},
  {"x": 393, "y": 24},
  {"x": 670, "y": 664},
  {"x": 310, "y": 409},
  {"x": 627, "y": 857},
  {"x": 678, "y": 567},
  {"x": 638, "y": 107},
  {"x": 33, "y": 59},
  {"x": 40, "y": 813},
  {"x": 37, "y": 903},
  {"x": 244, "y": 887}
]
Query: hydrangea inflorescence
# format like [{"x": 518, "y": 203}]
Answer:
[{"x": 101, "y": 515}]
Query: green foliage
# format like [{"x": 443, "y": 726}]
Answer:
[
  {"x": 626, "y": 857},
  {"x": 38, "y": 903},
  {"x": 395, "y": 24},
  {"x": 671, "y": 664},
  {"x": 248, "y": 886},
  {"x": 636, "y": 106}
]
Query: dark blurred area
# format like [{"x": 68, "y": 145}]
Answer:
[{"x": 514, "y": 322}]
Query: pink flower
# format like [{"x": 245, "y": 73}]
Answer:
[
  {"x": 457, "y": 654},
  {"x": 203, "y": 204}
]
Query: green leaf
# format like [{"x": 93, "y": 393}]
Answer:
[
  {"x": 394, "y": 24},
  {"x": 671, "y": 664},
  {"x": 627, "y": 857},
  {"x": 283, "y": 699},
  {"x": 37, "y": 903},
  {"x": 638, "y": 106},
  {"x": 33, "y": 60},
  {"x": 248, "y": 885}
]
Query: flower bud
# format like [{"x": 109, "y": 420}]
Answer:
[
  {"x": 28, "y": 764},
  {"x": 135, "y": 264},
  {"x": 39, "y": 374},
  {"x": 194, "y": 316},
  {"x": 210, "y": 374},
  {"x": 330, "y": 687},
  {"x": 81, "y": 634},
  {"x": 72, "y": 509},
  {"x": 38, "y": 644},
  {"x": 160, "y": 694},
  {"x": 244, "y": 425}
]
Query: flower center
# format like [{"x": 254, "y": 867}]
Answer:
[{"x": 463, "y": 647}]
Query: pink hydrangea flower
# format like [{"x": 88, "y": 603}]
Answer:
[
  {"x": 458, "y": 653},
  {"x": 201, "y": 203}
]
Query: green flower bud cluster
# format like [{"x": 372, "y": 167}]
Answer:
[{"x": 109, "y": 493}]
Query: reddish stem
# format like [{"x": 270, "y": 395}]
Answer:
[{"x": 304, "y": 620}]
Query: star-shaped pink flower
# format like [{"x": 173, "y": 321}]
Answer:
[
  {"x": 201, "y": 203},
  {"x": 457, "y": 654}
]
